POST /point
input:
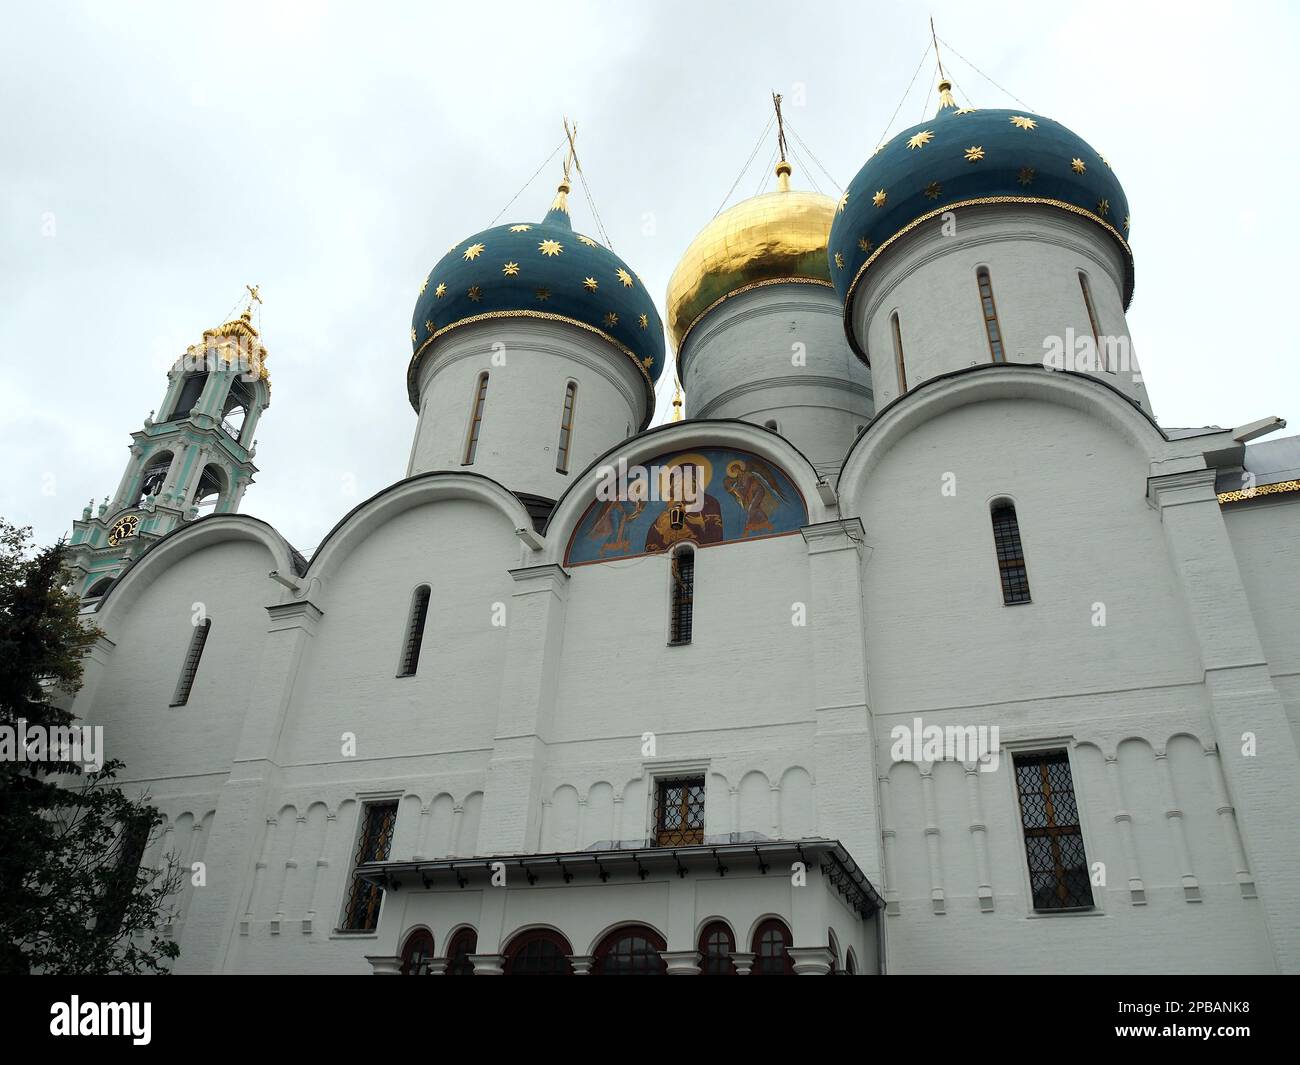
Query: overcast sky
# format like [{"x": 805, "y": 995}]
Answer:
[{"x": 154, "y": 158}]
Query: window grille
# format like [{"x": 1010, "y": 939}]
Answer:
[
  {"x": 198, "y": 640},
  {"x": 361, "y": 913},
  {"x": 1049, "y": 814}
]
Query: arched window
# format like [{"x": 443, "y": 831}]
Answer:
[
  {"x": 476, "y": 418},
  {"x": 462, "y": 945},
  {"x": 191, "y": 664},
  {"x": 212, "y": 484},
  {"x": 771, "y": 424},
  {"x": 415, "y": 632},
  {"x": 771, "y": 949},
  {"x": 898, "y": 352},
  {"x": 834, "y": 945},
  {"x": 417, "y": 953},
  {"x": 239, "y": 401},
  {"x": 1011, "y": 555},
  {"x": 990, "y": 311},
  {"x": 98, "y": 589},
  {"x": 633, "y": 950},
  {"x": 566, "y": 428},
  {"x": 682, "y": 607},
  {"x": 1092, "y": 322},
  {"x": 716, "y": 947},
  {"x": 851, "y": 963},
  {"x": 154, "y": 476},
  {"x": 539, "y": 952},
  {"x": 191, "y": 393}
]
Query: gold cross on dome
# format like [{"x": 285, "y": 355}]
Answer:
[{"x": 253, "y": 296}]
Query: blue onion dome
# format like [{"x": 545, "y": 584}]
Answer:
[
  {"x": 967, "y": 156},
  {"x": 541, "y": 270}
]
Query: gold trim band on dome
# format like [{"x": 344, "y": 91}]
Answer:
[
  {"x": 980, "y": 201},
  {"x": 548, "y": 316},
  {"x": 746, "y": 288},
  {"x": 1262, "y": 490}
]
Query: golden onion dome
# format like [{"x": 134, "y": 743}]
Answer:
[{"x": 778, "y": 236}]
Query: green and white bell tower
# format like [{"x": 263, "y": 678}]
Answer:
[{"x": 195, "y": 460}]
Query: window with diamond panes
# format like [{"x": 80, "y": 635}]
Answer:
[
  {"x": 361, "y": 914},
  {"x": 1049, "y": 813},
  {"x": 679, "y": 812},
  {"x": 1011, "y": 555}
]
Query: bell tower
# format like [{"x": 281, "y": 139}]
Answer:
[{"x": 194, "y": 460}]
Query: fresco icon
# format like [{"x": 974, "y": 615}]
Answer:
[{"x": 707, "y": 496}]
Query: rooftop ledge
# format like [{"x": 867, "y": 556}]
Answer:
[{"x": 758, "y": 856}]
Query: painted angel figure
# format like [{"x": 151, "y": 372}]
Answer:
[{"x": 754, "y": 485}]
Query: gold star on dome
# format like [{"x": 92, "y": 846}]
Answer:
[
  {"x": 423, "y": 285},
  {"x": 974, "y": 153},
  {"x": 879, "y": 198},
  {"x": 880, "y": 148},
  {"x": 543, "y": 294},
  {"x": 864, "y": 244},
  {"x": 523, "y": 227},
  {"x": 933, "y": 190},
  {"x": 1021, "y": 122},
  {"x": 550, "y": 247},
  {"x": 624, "y": 276},
  {"x": 412, "y": 334},
  {"x": 843, "y": 202},
  {"x": 473, "y": 252},
  {"x": 839, "y": 260},
  {"x": 644, "y": 321},
  {"x": 1126, "y": 220},
  {"x": 475, "y": 293},
  {"x": 586, "y": 240},
  {"x": 510, "y": 269},
  {"x": 589, "y": 283},
  {"x": 1103, "y": 207},
  {"x": 648, "y": 361},
  {"x": 1026, "y": 176},
  {"x": 428, "y": 325},
  {"x": 440, "y": 291},
  {"x": 611, "y": 319},
  {"x": 1077, "y": 166},
  {"x": 966, "y": 111},
  {"x": 920, "y": 140}
]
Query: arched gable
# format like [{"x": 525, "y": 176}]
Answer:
[
  {"x": 1115, "y": 414},
  {"x": 758, "y": 485}
]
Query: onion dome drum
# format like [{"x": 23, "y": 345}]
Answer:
[
  {"x": 965, "y": 157},
  {"x": 541, "y": 270}
]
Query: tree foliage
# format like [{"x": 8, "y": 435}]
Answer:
[{"x": 73, "y": 897}]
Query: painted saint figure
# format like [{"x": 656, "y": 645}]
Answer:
[{"x": 754, "y": 486}]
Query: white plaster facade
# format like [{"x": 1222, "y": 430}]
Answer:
[{"x": 524, "y": 731}]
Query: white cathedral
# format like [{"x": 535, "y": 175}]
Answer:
[{"x": 920, "y": 646}]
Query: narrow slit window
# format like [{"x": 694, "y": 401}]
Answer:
[
  {"x": 1011, "y": 555},
  {"x": 476, "y": 419},
  {"x": 990, "y": 311},
  {"x": 415, "y": 632},
  {"x": 683, "y": 596},
  {"x": 1049, "y": 815},
  {"x": 1092, "y": 322},
  {"x": 898, "y": 353},
  {"x": 566, "y": 428},
  {"x": 191, "y": 666}
]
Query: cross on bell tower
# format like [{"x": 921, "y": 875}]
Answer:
[{"x": 193, "y": 461}]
